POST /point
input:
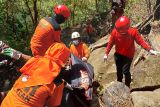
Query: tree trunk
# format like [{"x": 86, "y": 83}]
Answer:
[
  {"x": 157, "y": 12},
  {"x": 73, "y": 14},
  {"x": 35, "y": 12},
  {"x": 148, "y": 2},
  {"x": 29, "y": 10},
  {"x": 96, "y": 4}
]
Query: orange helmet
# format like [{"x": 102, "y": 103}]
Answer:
[
  {"x": 122, "y": 24},
  {"x": 62, "y": 10}
]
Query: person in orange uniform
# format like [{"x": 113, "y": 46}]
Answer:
[
  {"x": 48, "y": 30},
  {"x": 79, "y": 48},
  {"x": 123, "y": 37},
  {"x": 36, "y": 86}
]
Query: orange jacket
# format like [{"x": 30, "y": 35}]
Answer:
[
  {"x": 35, "y": 85},
  {"x": 36, "y": 96},
  {"x": 43, "y": 70},
  {"x": 81, "y": 50},
  {"x": 43, "y": 37}
]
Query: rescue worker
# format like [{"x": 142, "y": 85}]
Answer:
[
  {"x": 10, "y": 61},
  {"x": 36, "y": 86},
  {"x": 123, "y": 37},
  {"x": 90, "y": 31},
  {"x": 79, "y": 48},
  {"x": 48, "y": 30},
  {"x": 117, "y": 9}
]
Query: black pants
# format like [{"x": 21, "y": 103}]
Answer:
[{"x": 123, "y": 64}]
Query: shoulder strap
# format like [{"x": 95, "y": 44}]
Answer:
[{"x": 53, "y": 22}]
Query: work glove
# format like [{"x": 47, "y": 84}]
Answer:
[
  {"x": 153, "y": 52},
  {"x": 68, "y": 67},
  {"x": 84, "y": 59},
  {"x": 105, "y": 57},
  {"x": 11, "y": 53}
]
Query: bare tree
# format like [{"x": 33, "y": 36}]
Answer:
[
  {"x": 157, "y": 12},
  {"x": 149, "y": 8},
  {"x": 96, "y": 4},
  {"x": 34, "y": 14},
  {"x": 35, "y": 10}
]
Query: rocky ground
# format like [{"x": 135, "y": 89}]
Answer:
[{"x": 146, "y": 81}]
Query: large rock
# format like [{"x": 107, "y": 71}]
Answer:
[
  {"x": 116, "y": 94},
  {"x": 146, "y": 73},
  {"x": 146, "y": 98},
  {"x": 155, "y": 35},
  {"x": 104, "y": 71}
]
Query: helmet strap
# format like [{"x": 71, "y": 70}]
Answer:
[{"x": 59, "y": 18}]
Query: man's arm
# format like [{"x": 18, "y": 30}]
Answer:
[
  {"x": 86, "y": 51},
  {"x": 110, "y": 44},
  {"x": 12, "y": 53},
  {"x": 140, "y": 40}
]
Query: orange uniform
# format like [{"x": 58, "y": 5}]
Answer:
[
  {"x": 34, "y": 96},
  {"x": 44, "y": 36},
  {"x": 35, "y": 86},
  {"x": 81, "y": 50}
]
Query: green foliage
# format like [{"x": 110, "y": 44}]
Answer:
[
  {"x": 12, "y": 25},
  {"x": 17, "y": 21}
]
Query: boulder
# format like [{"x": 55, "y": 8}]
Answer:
[
  {"x": 155, "y": 35},
  {"x": 105, "y": 72},
  {"x": 116, "y": 94},
  {"x": 146, "y": 98},
  {"x": 146, "y": 73}
]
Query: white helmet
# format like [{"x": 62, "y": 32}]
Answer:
[{"x": 75, "y": 35}]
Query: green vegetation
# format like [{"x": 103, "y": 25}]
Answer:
[{"x": 18, "y": 18}]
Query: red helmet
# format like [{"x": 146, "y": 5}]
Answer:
[
  {"x": 122, "y": 24},
  {"x": 62, "y": 10}
]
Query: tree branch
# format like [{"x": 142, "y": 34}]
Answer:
[{"x": 29, "y": 10}]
